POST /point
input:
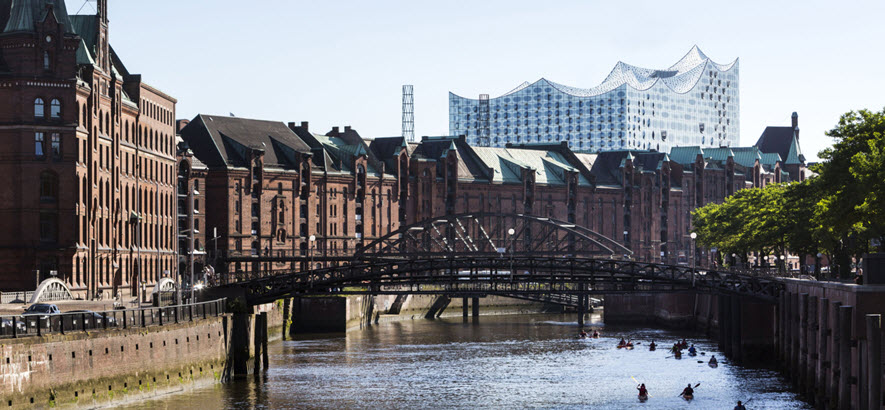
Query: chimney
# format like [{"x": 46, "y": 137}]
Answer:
[
  {"x": 304, "y": 125},
  {"x": 180, "y": 124},
  {"x": 335, "y": 131},
  {"x": 347, "y": 128},
  {"x": 796, "y": 124}
]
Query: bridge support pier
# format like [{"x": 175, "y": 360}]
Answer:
[
  {"x": 811, "y": 355},
  {"x": 465, "y": 308},
  {"x": 582, "y": 307},
  {"x": 475, "y": 303},
  {"x": 794, "y": 339},
  {"x": 845, "y": 316}
]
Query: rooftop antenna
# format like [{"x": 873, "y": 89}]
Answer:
[
  {"x": 408, "y": 113},
  {"x": 484, "y": 139}
]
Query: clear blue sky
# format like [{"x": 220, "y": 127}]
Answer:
[{"x": 343, "y": 62}]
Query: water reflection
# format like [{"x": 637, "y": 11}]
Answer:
[{"x": 501, "y": 362}]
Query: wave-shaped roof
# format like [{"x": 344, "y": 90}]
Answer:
[{"x": 680, "y": 77}]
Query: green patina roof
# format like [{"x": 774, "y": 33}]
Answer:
[
  {"x": 746, "y": 156},
  {"x": 24, "y": 14},
  {"x": 685, "y": 155},
  {"x": 507, "y": 165},
  {"x": 770, "y": 158},
  {"x": 794, "y": 156},
  {"x": 718, "y": 154}
]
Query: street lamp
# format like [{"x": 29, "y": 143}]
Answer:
[
  {"x": 693, "y": 237},
  {"x": 312, "y": 240},
  {"x": 510, "y": 232}
]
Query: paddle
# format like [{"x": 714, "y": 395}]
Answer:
[
  {"x": 637, "y": 383},
  {"x": 695, "y": 387}
]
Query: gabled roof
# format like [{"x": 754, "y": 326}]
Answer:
[
  {"x": 778, "y": 140},
  {"x": 746, "y": 156},
  {"x": 224, "y": 142},
  {"x": 23, "y": 15},
  {"x": 685, "y": 155}
]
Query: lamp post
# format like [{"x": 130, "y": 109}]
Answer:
[
  {"x": 510, "y": 232},
  {"x": 693, "y": 237},
  {"x": 312, "y": 240},
  {"x": 817, "y": 269},
  {"x": 733, "y": 260}
]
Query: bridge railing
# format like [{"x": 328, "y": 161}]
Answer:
[{"x": 14, "y": 326}]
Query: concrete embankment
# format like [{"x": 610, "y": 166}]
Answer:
[
  {"x": 340, "y": 314},
  {"x": 111, "y": 367}
]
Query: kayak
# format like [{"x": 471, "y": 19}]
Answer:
[
  {"x": 692, "y": 354},
  {"x": 688, "y": 397},
  {"x": 713, "y": 365},
  {"x": 643, "y": 397},
  {"x": 626, "y": 346},
  {"x": 651, "y": 348},
  {"x": 678, "y": 355}
]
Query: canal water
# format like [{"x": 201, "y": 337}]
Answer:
[{"x": 498, "y": 362}]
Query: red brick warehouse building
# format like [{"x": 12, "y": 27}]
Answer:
[
  {"x": 89, "y": 156},
  {"x": 270, "y": 189}
]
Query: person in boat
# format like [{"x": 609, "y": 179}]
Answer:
[
  {"x": 642, "y": 390},
  {"x": 713, "y": 360},
  {"x": 740, "y": 406},
  {"x": 678, "y": 354},
  {"x": 622, "y": 342},
  {"x": 595, "y": 333},
  {"x": 688, "y": 391},
  {"x": 652, "y": 345},
  {"x": 676, "y": 348},
  {"x": 583, "y": 334},
  {"x": 684, "y": 343},
  {"x": 692, "y": 350}
]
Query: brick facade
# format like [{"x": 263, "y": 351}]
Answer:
[{"x": 93, "y": 158}]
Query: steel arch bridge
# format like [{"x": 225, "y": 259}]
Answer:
[{"x": 496, "y": 254}]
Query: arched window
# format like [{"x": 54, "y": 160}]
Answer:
[
  {"x": 55, "y": 108},
  {"x": 48, "y": 187},
  {"x": 39, "y": 111}
]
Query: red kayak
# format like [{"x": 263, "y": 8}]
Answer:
[{"x": 626, "y": 346}]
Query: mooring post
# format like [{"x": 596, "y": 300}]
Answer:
[
  {"x": 845, "y": 316},
  {"x": 874, "y": 360},
  {"x": 256, "y": 341},
  {"x": 803, "y": 343},
  {"x": 240, "y": 343},
  {"x": 581, "y": 308},
  {"x": 811, "y": 348},
  {"x": 287, "y": 303},
  {"x": 794, "y": 339},
  {"x": 265, "y": 358},
  {"x": 736, "y": 342},
  {"x": 788, "y": 330},
  {"x": 823, "y": 358},
  {"x": 779, "y": 329},
  {"x": 835, "y": 355},
  {"x": 721, "y": 321}
]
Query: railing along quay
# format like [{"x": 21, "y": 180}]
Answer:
[{"x": 62, "y": 323}]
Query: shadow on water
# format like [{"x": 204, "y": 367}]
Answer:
[{"x": 505, "y": 361}]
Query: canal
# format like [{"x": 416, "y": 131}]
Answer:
[{"x": 500, "y": 362}]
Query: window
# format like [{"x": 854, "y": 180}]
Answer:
[
  {"x": 48, "y": 227},
  {"x": 38, "y": 145},
  {"x": 55, "y": 108},
  {"x": 56, "y": 145},
  {"x": 46, "y": 60},
  {"x": 255, "y": 210},
  {"x": 38, "y": 108},
  {"x": 48, "y": 187}
]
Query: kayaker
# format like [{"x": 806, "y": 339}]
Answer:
[
  {"x": 692, "y": 350},
  {"x": 642, "y": 390},
  {"x": 713, "y": 360},
  {"x": 688, "y": 391},
  {"x": 740, "y": 406},
  {"x": 583, "y": 334},
  {"x": 684, "y": 343},
  {"x": 652, "y": 345},
  {"x": 595, "y": 333},
  {"x": 678, "y": 354},
  {"x": 622, "y": 342}
]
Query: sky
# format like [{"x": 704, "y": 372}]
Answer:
[{"x": 337, "y": 63}]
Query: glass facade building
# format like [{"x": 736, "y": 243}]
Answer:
[{"x": 693, "y": 102}]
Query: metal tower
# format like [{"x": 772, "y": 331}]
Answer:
[
  {"x": 484, "y": 130},
  {"x": 408, "y": 113}
]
